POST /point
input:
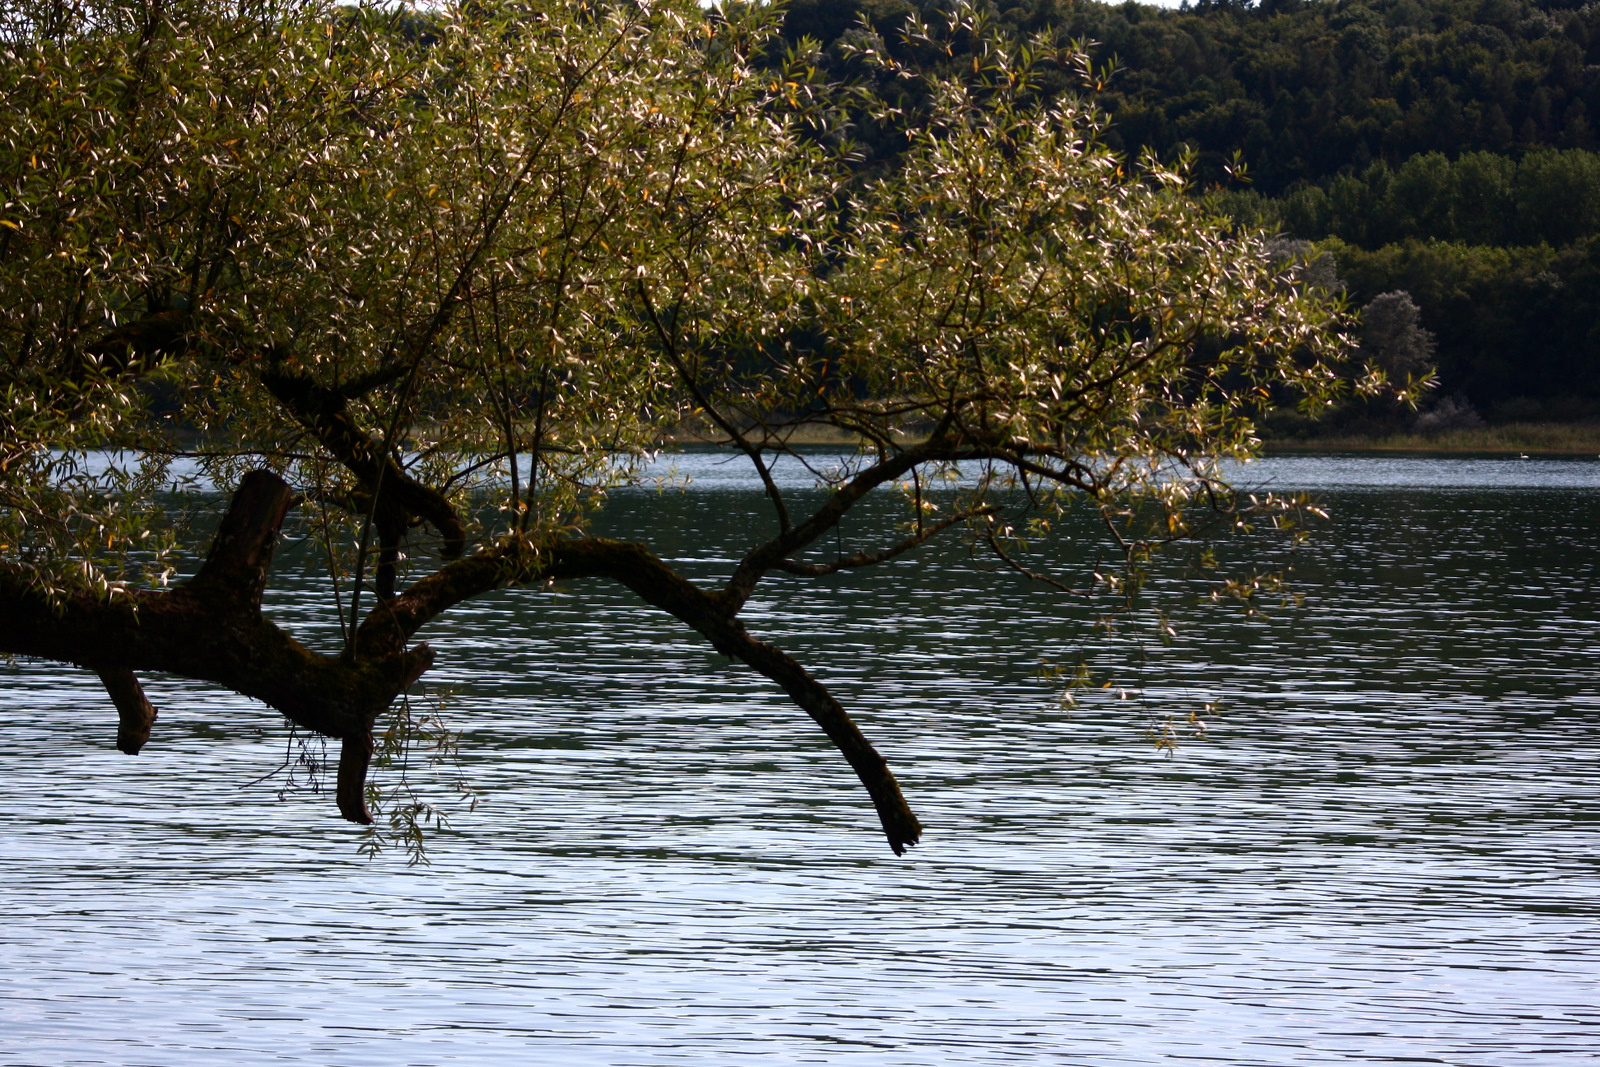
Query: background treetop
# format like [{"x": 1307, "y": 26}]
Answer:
[{"x": 1441, "y": 147}]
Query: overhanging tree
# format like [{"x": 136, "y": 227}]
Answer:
[{"x": 440, "y": 279}]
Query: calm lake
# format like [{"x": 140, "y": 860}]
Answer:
[{"x": 1386, "y": 849}]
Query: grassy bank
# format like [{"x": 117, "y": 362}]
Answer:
[{"x": 1549, "y": 438}]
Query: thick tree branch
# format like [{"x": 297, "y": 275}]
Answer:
[
  {"x": 135, "y": 344},
  {"x": 211, "y": 629},
  {"x": 362, "y": 384},
  {"x": 241, "y": 554},
  {"x": 135, "y": 714},
  {"x": 350, "y": 781}
]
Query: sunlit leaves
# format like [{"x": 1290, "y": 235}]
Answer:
[
  {"x": 518, "y": 247},
  {"x": 449, "y": 215}
]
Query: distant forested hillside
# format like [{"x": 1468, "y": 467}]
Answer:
[{"x": 1446, "y": 148}]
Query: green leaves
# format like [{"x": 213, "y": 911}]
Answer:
[
  {"x": 457, "y": 204},
  {"x": 456, "y": 272},
  {"x": 513, "y": 250}
]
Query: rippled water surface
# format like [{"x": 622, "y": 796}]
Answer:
[{"x": 1386, "y": 850}]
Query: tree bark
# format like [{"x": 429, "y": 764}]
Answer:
[
  {"x": 211, "y": 629},
  {"x": 135, "y": 714}
]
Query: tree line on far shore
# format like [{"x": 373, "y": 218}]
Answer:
[{"x": 1447, "y": 149}]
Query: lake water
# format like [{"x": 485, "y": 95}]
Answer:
[{"x": 1387, "y": 849}]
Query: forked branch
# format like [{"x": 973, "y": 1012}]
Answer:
[{"x": 211, "y": 629}]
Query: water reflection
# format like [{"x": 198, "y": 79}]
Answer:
[{"x": 1386, "y": 851}]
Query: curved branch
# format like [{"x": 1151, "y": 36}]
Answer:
[
  {"x": 325, "y": 413},
  {"x": 900, "y": 825},
  {"x": 392, "y": 622},
  {"x": 712, "y": 615},
  {"x": 1032, "y": 575},
  {"x": 765, "y": 557}
]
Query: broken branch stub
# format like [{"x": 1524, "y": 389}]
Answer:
[{"x": 235, "y": 572}]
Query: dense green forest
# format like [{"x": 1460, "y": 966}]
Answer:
[{"x": 1447, "y": 149}]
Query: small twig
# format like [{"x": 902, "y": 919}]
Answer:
[{"x": 868, "y": 559}]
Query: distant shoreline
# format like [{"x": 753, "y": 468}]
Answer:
[{"x": 1531, "y": 438}]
